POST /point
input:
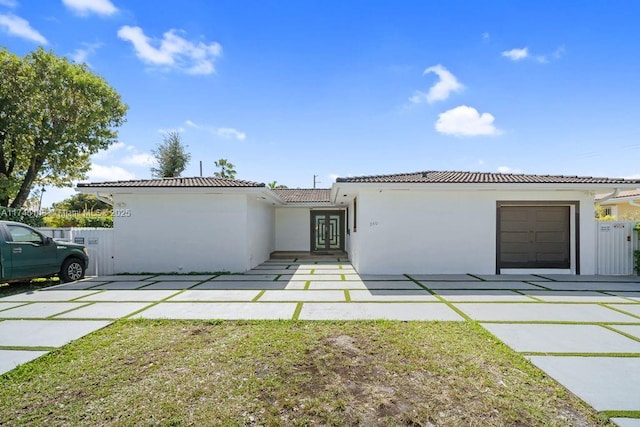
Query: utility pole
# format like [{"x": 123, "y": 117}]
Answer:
[
  {"x": 200, "y": 168},
  {"x": 315, "y": 181}
]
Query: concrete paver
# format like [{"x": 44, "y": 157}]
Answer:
[
  {"x": 457, "y": 295},
  {"x": 130, "y": 295},
  {"x": 634, "y": 296},
  {"x": 366, "y": 311},
  {"x": 626, "y": 422},
  {"x": 391, "y": 284},
  {"x": 122, "y": 285},
  {"x": 590, "y": 278},
  {"x": 383, "y": 277},
  {"x": 634, "y": 309},
  {"x": 589, "y": 286},
  {"x": 8, "y": 305},
  {"x": 104, "y": 310},
  {"x": 45, "y": 333},
  {"x": 542, "y": 312},
  {"x": 477, "y": 285},
  {"x": 241, "y": 285},
  {"x": 39, "y": 310},
  {"x": 74, "y": 286},
  {"x": 633, "y": 330},
  {"x": 182, "y": 277},
  {"x": 215, "y": 295},
  {"x": 510, "y": 277},
  {"x": 120, "y": 278},
  {"x": 171, "y": 285},
  {"x": 293, "y": 295},
  {"x": 539, "y": 338},
  {"x": 606, "y": 383},
  {"x": 330, "y": 277},
  {"x": 381, "y": 295},
  {"x": 574, "y": 296},
  {"x": 445, "y": 277},
  {"x": 225, "y": 311},
  {"x": 344, "y": 284},
  {"x": 9, "y": 359},
  {"x": 48, "y": 296},
  {"x": 245, "y": 277}
]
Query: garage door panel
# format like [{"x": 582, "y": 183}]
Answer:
[{"x": 534, "y": 237}]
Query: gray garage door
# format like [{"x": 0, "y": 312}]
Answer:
[{"x": 534, "y": 237}]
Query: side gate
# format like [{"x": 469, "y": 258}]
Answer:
[
  {"x": 98, "y": 241},
  {"x": 615, "y": 243}
]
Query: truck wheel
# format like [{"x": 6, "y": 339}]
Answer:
[{"x": 72, "y": 270}]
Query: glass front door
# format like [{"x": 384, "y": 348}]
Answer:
[{"x": 327, "y": 231}]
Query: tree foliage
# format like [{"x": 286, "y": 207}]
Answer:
[
  {"x": 81, "y": 202},
  {"x": 54, "y": 115},
  {"x": 171, "y": 156},
  {"x": 227, "y": 169},
  {"x": 274, "y": 185}
]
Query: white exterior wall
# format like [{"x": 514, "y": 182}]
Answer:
[
  {"x": 173, "y": 232},
  {"x": 446, "y": 231},
  {"x": 261, "y": 232},
  {"x": 292, "y": 229}
]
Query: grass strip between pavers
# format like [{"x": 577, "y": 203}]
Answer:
[
  {"x": 26, "y": 348},
  {"x": 441, "y": 299},
  {"x": 619, "y": 310},
  {"x": 153, "y": 304},
  {"x": 347, "y": 295},
  {"x": 296, "y": 312},
  {"x": 257, "y": 297},
  {"x": 621, "y": 414},
  {"x": 625, "y": 334}
]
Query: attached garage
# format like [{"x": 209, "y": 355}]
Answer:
[{"x": 534, "y": 236}]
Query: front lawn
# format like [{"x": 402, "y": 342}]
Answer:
[{"x": 287, "y": 373}]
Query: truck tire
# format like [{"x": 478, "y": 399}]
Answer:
[{"x": 72, "y": 269}]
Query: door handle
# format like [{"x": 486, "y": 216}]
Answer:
[{"x": 17, "y": 250}]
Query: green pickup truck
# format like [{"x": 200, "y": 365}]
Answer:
[{"x": 26, "y": 254}]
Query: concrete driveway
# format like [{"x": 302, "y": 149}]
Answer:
[{"x": 584, "y": 331}]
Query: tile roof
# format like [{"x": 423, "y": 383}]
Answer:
[
  {"x": 175, "y": 182},
  {"x": 446, "y": 177},
  {"x": 629, "y": 193},
  {"x": 304, "y": 195}
]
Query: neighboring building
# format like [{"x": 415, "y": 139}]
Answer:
[
  {"x": 625, "y": 206},
  {"x": 424, "y": 222}
]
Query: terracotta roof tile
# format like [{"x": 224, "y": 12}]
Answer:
[
  {"x": 446, "y": 177},
  {"x": 622, "y": 194},
  {"x": 304, "y": 195},
  {"x": 175, "y": 182}
]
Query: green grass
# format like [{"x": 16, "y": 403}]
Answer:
[{"x": 291, "y": 373}]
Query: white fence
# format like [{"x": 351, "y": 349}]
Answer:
[
  {"x": 98, "y": 241},
  {"x": 615, "y": 243}
]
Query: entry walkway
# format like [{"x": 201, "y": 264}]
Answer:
[{"x": 584, "y": 331}]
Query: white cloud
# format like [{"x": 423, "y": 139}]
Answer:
[
  {"x": 8, "y": 3},
  {"x": 559, "y": 52},
  {"x": 516, "y": 54},
  {"x": 191, "y": 124},
  {"x": 86, "y": 7},
  {"x": 231, "y": 133},
  {"x": 507, "y": 169},
  {"x": 19, "y": 27},
  {"x": 171, "y": 130},
  {"x": 466, "y": 121},
  {"x": 447, "y": 84},
  {"x": 173, "y": 51},
  {"x": 333, "y": 177},
  {"x": 139, "y": 159},
  {"x": 108, "y": 173},
  {"x": 80, "y": 55},
  {"x": 486, "y": 36}
]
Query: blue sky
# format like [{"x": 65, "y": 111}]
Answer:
[{"x": 289, "y": 89}]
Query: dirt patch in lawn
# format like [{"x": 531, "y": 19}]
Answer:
[{"x": 287, "y": 373}]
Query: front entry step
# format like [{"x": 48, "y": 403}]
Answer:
[{"x": 343, "y": 256}]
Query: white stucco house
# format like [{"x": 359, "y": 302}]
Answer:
[{"x": 423, "y": 222}]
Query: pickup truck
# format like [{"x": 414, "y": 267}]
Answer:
[{"x": 26, "y": 254}]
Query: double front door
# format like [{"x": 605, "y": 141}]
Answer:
[{"x": 327, "y": 231}]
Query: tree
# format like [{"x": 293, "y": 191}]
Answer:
[
  {"x": 226, "y": 169},
  {"x": 171, "y": 156},
  {"x": 53, "y": 116},
  {"x": 81, "y": 202},
  {"x": 274, "y": 185}
]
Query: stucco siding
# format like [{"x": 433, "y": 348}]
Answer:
[
  {"x": 261, "y": 232},
  {"x": 292, "y": 229},
  {"x": 445, "y": 232},
  {"x": 180, "y": 233}
]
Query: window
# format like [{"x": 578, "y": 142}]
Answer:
[{"x": 24, "y": 234}]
